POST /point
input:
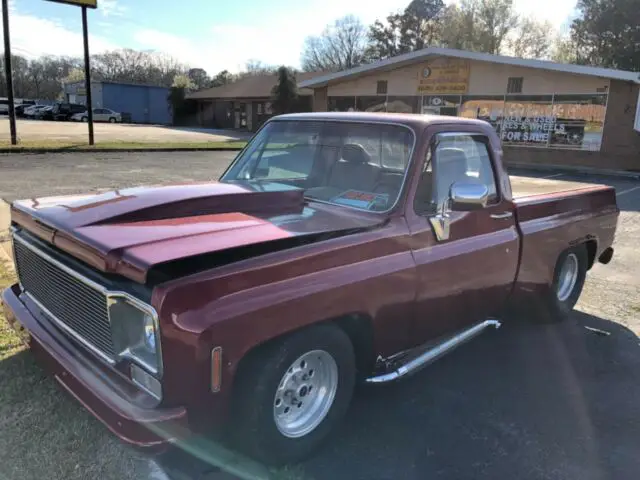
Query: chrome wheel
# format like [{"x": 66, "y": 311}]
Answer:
[
  {"x": 568, "y": 277},
  {"x": 305, "y": 394}
]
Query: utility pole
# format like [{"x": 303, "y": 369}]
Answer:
[
  {"x": 87, "y": 72},
  {"x": 8, "y": 72}
]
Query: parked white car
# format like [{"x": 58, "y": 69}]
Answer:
[
  {"x": 99, "y": 115},
  {"x": 31, "y": 112}
]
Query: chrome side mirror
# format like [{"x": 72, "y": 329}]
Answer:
[
  {"x": 462, "y": 197},
  {"x": 468, "y": 196}
]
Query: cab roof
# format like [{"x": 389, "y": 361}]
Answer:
[{"x": 413, "y": 120}]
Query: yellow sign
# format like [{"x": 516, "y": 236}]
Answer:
[
  {"x": 79, "y": 3},
  {"x": 444, "y": 76}
]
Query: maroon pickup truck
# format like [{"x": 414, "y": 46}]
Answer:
[{"x": 336, "y": 248}]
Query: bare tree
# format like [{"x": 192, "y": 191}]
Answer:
[
  {"x": 256, "y": 67},
  {"x": 339, "y": 47},
  {"x": 479, "y": 25},
  {"x": 531, "y": 39}
]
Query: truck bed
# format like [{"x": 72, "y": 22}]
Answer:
[{"x": 527, "y": 186}]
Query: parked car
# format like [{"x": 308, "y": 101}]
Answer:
[
  {"x": 336, "y": 247},
  {"x": 64, "y": 111},
  {"x": 30, "y": 112},
  {"x": 45, "y": 113},
  {"x": 99, "y": 115},
  {"x": 20, "y": 107}
]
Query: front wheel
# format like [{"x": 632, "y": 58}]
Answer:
[
  {"x": 85, "y": 119},
  {"x": 112, "y": 120},
  {"x": 293, "y": 393}
]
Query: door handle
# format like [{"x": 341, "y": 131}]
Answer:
[{"x": 500, "y": 216}]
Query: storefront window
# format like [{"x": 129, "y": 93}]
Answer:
[
  {"x": 527, "y": 120},
  {"x": 342, "y": 104},
  {"x": 441, "y": 104},
  {"x": 399, "y": 104},
  {"x": 488, "y": 108},
  {"x": 579, "y": 121},
  {"x": 371, "y": 104},
  {"x": 548, "y": 121}
]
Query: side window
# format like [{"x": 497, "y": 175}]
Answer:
[{"x": 454, "y": 158}]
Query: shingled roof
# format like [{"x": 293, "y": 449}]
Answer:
[{"x": 253, "y": 86}]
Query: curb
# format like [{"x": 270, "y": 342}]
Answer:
[
  {"x": 113, "y": 150},
  {"x": 575, "y": 170}
]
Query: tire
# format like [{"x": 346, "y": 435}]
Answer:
[
  {"x": 564, "y": 294},
  {"x": 85, "y": 119},
  {"x": 112, "y": 120},
  {"x": 266, "y": 373}
]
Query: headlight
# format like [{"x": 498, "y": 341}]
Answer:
[{"x": 134, "y": 330}]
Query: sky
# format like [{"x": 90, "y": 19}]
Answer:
[{"x": 211, "y": 34}]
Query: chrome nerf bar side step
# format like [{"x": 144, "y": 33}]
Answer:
[{"x": 433, "y": 353}]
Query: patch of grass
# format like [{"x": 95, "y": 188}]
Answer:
[
  {"x": 47, "y": 434},
  {"x": 44, "y": 433},
  {"x": 66, "y": 146}
]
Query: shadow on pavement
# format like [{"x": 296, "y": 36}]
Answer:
[{"x": 526, "y": 402}]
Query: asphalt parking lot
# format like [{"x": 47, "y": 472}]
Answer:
[
  {"x": 525, "y": 402},
  {"x": 38, "y": 130}
]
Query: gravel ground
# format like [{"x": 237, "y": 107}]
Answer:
[
  {"x": 526, "y": 402},
  {"x": 35, "y": 130}
]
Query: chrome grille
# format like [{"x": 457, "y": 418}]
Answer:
[{"x": 78, "y": 306}]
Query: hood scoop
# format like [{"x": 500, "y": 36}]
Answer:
[
  {"x": 259, "y": 203},
  {"x": 143, "y": 204}
]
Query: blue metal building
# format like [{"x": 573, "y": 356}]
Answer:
[{"x": 143, "y": 103}]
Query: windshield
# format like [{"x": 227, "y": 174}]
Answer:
[{"x": 358, "y": 165}]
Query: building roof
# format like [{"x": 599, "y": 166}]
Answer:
[
  {"x": 414, "y": 57},
  {"x": 251, "y": 86}
]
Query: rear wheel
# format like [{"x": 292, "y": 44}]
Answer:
[
  {"x": 292, "y": 393},
  {"x": 568, "y": 280}
]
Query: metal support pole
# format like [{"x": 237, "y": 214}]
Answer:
[
  {"x": 8, "y": 73},
  {"x": 87, "y": 73}
]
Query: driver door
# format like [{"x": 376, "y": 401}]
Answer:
[{"x": 465, "y": 270}]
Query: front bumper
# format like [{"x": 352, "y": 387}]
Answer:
[{"x": 125, "y": 410}]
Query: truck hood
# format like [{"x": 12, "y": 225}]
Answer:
[{"x": 132, "y": 230}]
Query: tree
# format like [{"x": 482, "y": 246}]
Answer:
[
  {"x": 284, "y": 94},
  {"x": 222, "y": 78},
  {"x": 42, "y": 78},
  {"x": 339, "y": 47},
  {"x": 564, "y": 50},
  {"x": 479, "y": 25},
  {"x": 418, "y": 26},
  {"x": 256, "y": 67},
  {"x": 531, "y": 39},
  {"x": 74, "y": 76},
  {"x": 497, "y": 19},
  {"x": 199, "y": 77},
  {"x": 607, "y": 33},
  {"x": 183, "y": 81}
]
